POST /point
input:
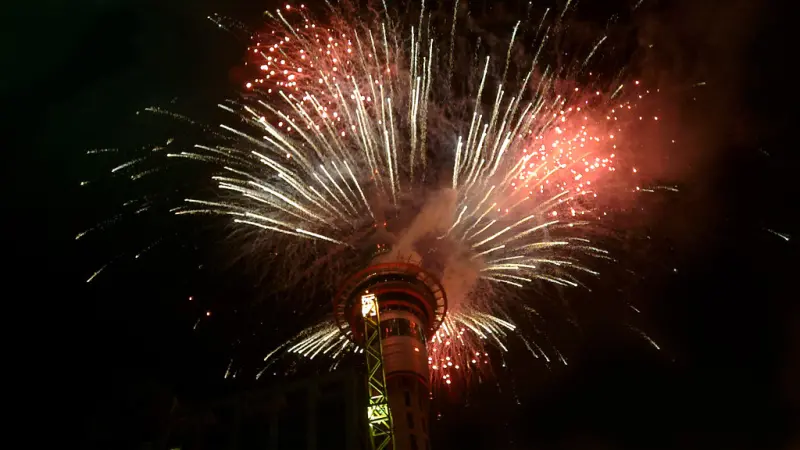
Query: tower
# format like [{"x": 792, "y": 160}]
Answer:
[{"x": 390, "y": 310}]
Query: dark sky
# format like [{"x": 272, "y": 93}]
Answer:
[{"x": 727, "y": 320}]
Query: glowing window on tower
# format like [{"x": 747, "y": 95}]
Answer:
[
  {"x": 368, "y": 305},
  {"x": 401, "y": 327}
]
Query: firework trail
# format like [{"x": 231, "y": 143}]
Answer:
[{"x": 354, "y": 142}]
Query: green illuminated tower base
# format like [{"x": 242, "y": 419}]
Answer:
[{"x": 379, "y": 418}]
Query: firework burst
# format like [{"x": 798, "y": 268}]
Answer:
[{"x": 353, "y": 142}]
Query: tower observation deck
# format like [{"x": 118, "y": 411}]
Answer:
[{"x": 411, "y": 305}]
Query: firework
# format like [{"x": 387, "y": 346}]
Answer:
[{"x": 352, "y": 143}]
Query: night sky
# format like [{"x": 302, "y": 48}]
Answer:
[{"x": 110, "y": 355}]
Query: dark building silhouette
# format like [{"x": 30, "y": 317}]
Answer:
[{"x": 323, "y": 412}]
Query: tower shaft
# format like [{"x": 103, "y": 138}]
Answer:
[
  {"x": 406, "y": 365},
  {"x": 389, "y": 310}
]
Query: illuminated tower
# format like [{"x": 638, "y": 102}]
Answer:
[{"x": 390, "y": 310}]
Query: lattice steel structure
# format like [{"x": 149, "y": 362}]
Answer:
[
  {"x": 379, "y": 418},
  {"x": 390, "y": 310}
]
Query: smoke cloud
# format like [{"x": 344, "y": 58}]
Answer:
[
  {"x": 436, "y": 216},
  {"x": 421, "y": 243}
]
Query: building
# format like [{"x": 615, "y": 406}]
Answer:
[{"x": 322, "y": 412}]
